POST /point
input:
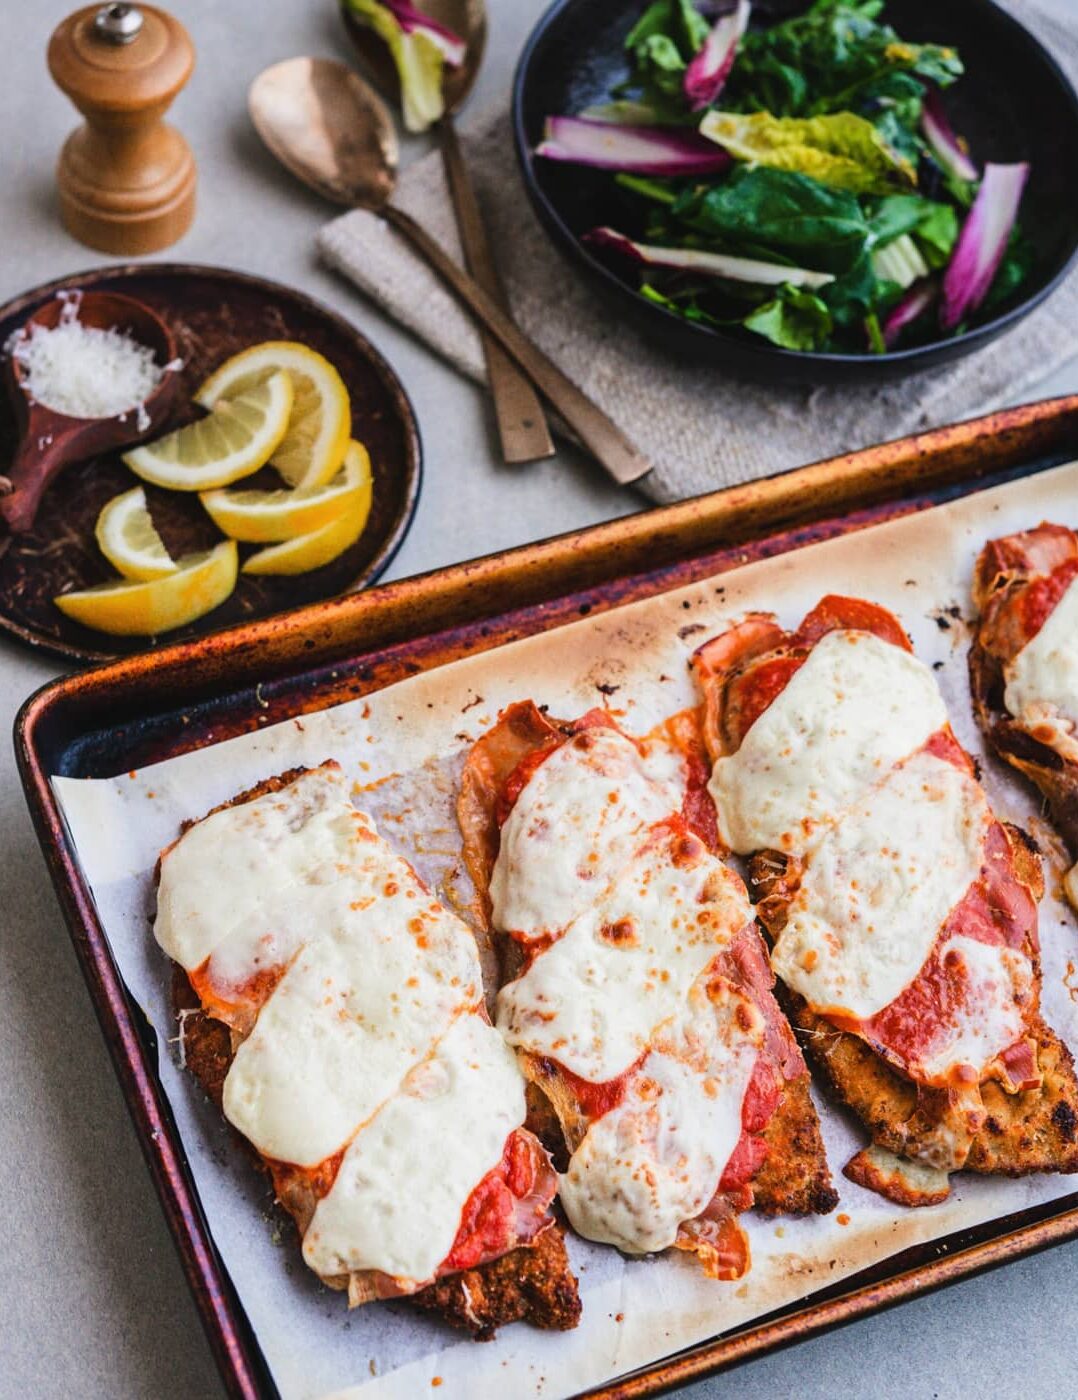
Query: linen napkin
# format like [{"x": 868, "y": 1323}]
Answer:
[{"x": 700, "y": 427}]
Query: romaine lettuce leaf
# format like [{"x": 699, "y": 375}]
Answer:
[
  {"x": 419, "y": 57},
  {"x": 842, "y": 150}
]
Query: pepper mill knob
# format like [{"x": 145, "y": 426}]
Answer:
[{"x": 126, "y": 178}]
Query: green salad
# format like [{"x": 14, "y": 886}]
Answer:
[{"x": 802, "y": 181}]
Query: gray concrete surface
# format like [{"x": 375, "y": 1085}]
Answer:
[{"x": 93, "y": 1301}]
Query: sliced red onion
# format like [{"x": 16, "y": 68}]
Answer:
[
  {"x": 707, "y": 73},
  {"x": 912, "y": 306},
  {"x": 452, "y": 47},
  {"x": 940, "y": 135},
  {"x": 722, "y": 265},
  {"x": 982, "y": 242},
  {"x": 637, "y": 150}
]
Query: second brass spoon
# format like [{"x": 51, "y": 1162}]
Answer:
[
  {"x": 522, "y": 425},
  {"x": 327, "y": 126}
]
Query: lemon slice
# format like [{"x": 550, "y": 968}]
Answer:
[
  {"x": 321, "y": 424},
  {"x": 258, "y": 517},
  {"x": 311, "y": 551},
  {"x": 237, "y": 438},
  {"x": 200, "y": 583},
  {"x": 127, "y": 538}
]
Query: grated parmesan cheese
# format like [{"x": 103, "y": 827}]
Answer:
[{"x": 84, "y": 371}]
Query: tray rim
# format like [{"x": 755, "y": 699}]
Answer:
[
  {"x": 110, "y": 273},
  {"x": 888, "y": 472}
]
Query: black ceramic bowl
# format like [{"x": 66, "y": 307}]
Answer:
[{"x": 1014, "y": 103}]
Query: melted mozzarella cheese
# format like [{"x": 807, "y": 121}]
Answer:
[
  {"x": 350, "y": 1017},
  {"x": 222, "y": 884},
  {"x": 375, "y": 969},
  {"x": 656, "y": 1159},
  {"x": 406, "y": 1176},
  {"x": 571, "y": 829},
  {"x": 1042, "y": 680},
  {"x": 878, "y": 886},
  {"x": 856, "y": 707},
  {"x": 623, "y": 967},
  {"x": 997, "y": 987}
]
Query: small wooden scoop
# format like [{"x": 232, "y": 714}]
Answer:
[{"x": 49, "y": 441}]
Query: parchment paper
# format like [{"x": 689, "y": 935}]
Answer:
[{"x": 403, "y": 748}]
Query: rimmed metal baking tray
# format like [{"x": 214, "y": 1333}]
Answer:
[{"x": 145, "y": 708}]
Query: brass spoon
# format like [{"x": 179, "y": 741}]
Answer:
[
  {"x": 522, "y": 425},
  {"x": 325, "y": 125}
]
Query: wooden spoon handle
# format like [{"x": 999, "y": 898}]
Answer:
[
  {"x": 28, "y": 475},
  {"x": 522, "y": 425},
  {"x": 608, "y": 444}
]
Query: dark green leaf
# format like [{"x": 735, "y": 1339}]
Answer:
[
  {"x": 777, "y": 209},
  {"x": 853, "y": 295},
  {"x": 846, "y": 58},
  {"x": 795, "y": 319},
  {"x": 662, "y": 43},
  {"x": 676, "y": 20},
  {"x": 932, "y": 224},
  {"x": 1014, "y": 270}
]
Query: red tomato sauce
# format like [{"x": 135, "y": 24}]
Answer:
[
  {"x": 246, "y": 998},
  {"x": 595, "y": 1099},
  {"x": 835, "y": 613},
  {"x": 945, "y": 746},
  {"x": 487, "y": 1222},
  {"x": 760, "y": 684},
  {"x": 1037, "y": 601},
  {"x": 997, "y": 910},
  {"x": 762, "y": 1098}
]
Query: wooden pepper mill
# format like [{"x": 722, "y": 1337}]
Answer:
[{"x": 126, "y": 178}]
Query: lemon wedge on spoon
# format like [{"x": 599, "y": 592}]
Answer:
[
  {"x": 261, "y": 517},
  {"x": 313, "y": 448},
  {"x": 234, "y": 440},
  {"x": 128, "y": 539},
  {"x": 200, "y": 583}
]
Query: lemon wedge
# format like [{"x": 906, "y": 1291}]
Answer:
[
  {"x": 200, "y": 583},
  {"x": 311, "y": 551},
  {"x": 128, "y": 539},
  {"x": 237, "y": 438},
  {"x": 259, "y": 517},
  {"x": 321, "y": 424}
]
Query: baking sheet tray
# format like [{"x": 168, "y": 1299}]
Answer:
[{"x": 635, "y": 1313}]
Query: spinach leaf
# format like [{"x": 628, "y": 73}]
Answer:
[
  {"x": 676, "y": 20},
  {"x": 1016, "y": 266},
  {"x": 780, "y": 210},
  {"x": 843, "y": 56},
  {"x": 853, "y": 295},
  {"x": 686, "y": 305},
  {"x": 795, "y": 318},
  {"x": 662, "y": 43},
  {"x": 932, "y": 224}
]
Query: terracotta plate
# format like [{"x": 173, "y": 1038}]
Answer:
[{"x": 212, "y": 313}]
